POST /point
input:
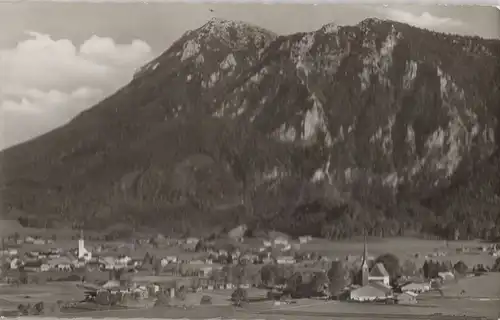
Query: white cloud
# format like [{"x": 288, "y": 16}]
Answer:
[
  {"x": 45, "y": 82},
  {"x": 424, "y": 20}
]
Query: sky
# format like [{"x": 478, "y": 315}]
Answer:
[{"x": 58, "y": 58}]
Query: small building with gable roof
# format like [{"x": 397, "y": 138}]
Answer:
[{"x": 379, "y": 274}]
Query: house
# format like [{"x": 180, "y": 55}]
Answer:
[
  {"x": 192, "y": 241},
  {"x": 33, "y": 266},
  {"x": 285, "y": 260},
  {"x": 123, "y": 260},
  {"x": 305, "y": 239},
  {"x": 171, "y": 259},
  {"x": 287, "y": 247},
  {"x": 379, "y": 274},
  {"x": 235, "y": 254},
  {"x": 61, "y": 264},
  {"x": 415, "y": 287},
  {"x": 370, "y": 292},
  {"x": 108, "y": 262},
  {"x": 164, "y": 262},
  {"x": 39, "y": 242},
  {"x": 95, "y": 265},
  {"x": 52, "y": 255},
  {"x": 110, "y": 284},
  {"x": 407, "y": 298},
  {"x": 15, "y": 263},
  {"x": 267, "y": 259},
  {"x": 135, "y": 262},
  {"x": 45, "y": 267},
  {"x": 246, "y": 258},
  {"x": 32, "y": 254},
  {"x": 206, "y": 271},
  {"x": 29, "y": 239},
  {"x": 280, "y": 241},
  {"x": 446, "y": 276},
  {"x": 56, "y": 251}
]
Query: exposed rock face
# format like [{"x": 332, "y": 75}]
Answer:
[{"x": 319, "y": 128}]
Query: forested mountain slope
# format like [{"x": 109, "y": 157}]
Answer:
[{"x": 379, "y": 125}]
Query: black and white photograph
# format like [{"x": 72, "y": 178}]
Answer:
[{"x": 281, "y": 161}]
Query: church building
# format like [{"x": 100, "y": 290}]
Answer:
[{"x": 83, "y": 254}]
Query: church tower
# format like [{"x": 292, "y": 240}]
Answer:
[
  {"x": 82, "y": 252},
  {"x": 365, "y": 270},
  {"x": 81, "y": 246}
]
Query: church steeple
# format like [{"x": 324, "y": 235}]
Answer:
[
  {"x": 365, "y": 250},
  {"x": 364, "y": 272},
  {"x": 81, "y": 246}
]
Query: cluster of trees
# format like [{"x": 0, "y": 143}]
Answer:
[
  {"x": 164, "y": 299},
  {"x": 432, "y": 268},
  {"x": 496, "y": 265},
  {"x": 321, "y": 217},
  {"x": 239, "y": 296},
  {"x": 41, "y": 308}
]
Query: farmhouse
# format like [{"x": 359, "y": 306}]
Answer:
[{"x": 379, "y": 274}]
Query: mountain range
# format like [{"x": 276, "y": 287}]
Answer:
[{"x": 378, "y": 127}]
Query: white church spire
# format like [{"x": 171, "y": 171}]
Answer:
[{"x": 82, "y": 252}]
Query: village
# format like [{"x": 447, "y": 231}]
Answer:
[{"x": 233, "y": 270}]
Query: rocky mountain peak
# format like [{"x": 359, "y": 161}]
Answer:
[
  {"x": 331, "y": 27},
  {"x": 235, "y": 34}
]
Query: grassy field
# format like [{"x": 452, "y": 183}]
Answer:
[
  {"x": 209, "y": 312},
  {"x": 11, "y": 296}
]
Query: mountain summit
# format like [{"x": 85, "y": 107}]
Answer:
[{"x": 378, "y": 126}]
